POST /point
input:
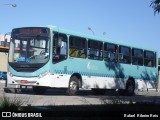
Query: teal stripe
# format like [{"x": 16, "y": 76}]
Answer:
[{"x": 86, "y": 73}]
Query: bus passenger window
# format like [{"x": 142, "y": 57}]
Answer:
[
  {"x": 95, "y": 50},
  {"x": 155, "y": 59},
  {"x": 126, "y": 52},
  {"x": 137, "y": 56},
  {"x": 149, "y": 58},
  {"x": 110, "y": 52},
  {"x": 59, "y": 47},
  {"x": 77, "y": 47}
]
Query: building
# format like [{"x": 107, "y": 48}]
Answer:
[
  {"x": 4, "y": 47},
  {"x": 4, "y": 42}
]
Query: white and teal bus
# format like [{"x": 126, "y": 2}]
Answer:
[{"x": 50, "y": 57}]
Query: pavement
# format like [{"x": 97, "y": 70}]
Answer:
[{"x": 85, "y": 97}]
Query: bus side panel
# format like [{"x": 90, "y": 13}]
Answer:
[
  {"x": 95, "y": 74},
  {"x": 103, "y": 82},
  {"x": 145, "y": 77},
  {"x": 60, "y": 80},
  {"x": 102, "y": 74}
]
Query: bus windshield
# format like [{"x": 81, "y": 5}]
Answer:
[
  {"x": 29, "y": 45},
  {"x": 29, "y": 50}
]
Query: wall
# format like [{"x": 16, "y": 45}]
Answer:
[{"x": 3, "y": 61}]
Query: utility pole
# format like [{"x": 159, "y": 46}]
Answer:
[
  {"x": 12, "y": 5},
  {"x": 91, "y": 30}
]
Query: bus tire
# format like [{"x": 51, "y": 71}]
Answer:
[
  {"x": 73, "y": 86},
  {"x": 130, "y": 87},
  {"x": 129, "y": 91},
  {"x": 39, "y": 90},
  {"x": 99, "y": 91}
]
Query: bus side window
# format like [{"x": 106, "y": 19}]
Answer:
[
  {"x": 59, "y": 47},
  {"x": 126, "y": 52},
  {"x": 77, "y": 47},
  {"x": 95, "y": 49},
  {"x": 137, "y": 56},
  {"x": 149, "y": 58},
  {"x": 155, "y": 59},
  {"x": 110, "y": 52}
]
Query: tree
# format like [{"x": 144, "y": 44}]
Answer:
[
  {"x": 158, "y": 61},
  {"x": 155, "y": 4}
]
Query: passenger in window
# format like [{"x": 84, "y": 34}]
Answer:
[
  {"x": 73, "y": 52},
  {"x": 56, "y": 56},
  {"x": 82, "y": 53},
  {"x": 150, "y": 63},
  {"x": 114, "y": 55},
  {"x": 56, "y": 51}
]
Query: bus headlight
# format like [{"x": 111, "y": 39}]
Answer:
[
  {"x": 43, "y": 74},
  {"x": 10, "y": 74}
]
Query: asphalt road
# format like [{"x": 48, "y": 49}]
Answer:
[{"x": 85, "y": 97}]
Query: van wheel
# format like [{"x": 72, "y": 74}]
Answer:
[
  {"x": 73, "y": 86},
  {"x": 39, "y": 90}
]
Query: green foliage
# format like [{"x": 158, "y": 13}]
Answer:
[
  {"x": 6, "y": 104},
  {"x": 155, "y": 4},
  {"x": 158, "y": 61}
]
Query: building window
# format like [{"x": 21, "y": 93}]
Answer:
[
  {"x": 77, "y": 47},
  {"x": 95, "y": 50},
  {"x": 2, "y": 43},
  {"x": 137, "y": 56}
]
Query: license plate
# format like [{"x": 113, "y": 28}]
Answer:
[{"x": 24, "y": 81}]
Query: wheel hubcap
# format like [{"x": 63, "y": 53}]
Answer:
[{"x": 73, "y": 85}]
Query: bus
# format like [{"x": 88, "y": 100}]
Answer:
[{"x": 51, "y": 57}]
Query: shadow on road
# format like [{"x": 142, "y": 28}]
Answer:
[
  {"x": 57, "y": 92},
  {"x": 113, "y": 96}
]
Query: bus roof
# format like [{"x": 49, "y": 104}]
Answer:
[
  {"x": 54, "y": 28},
  {"x": 69, "y": 32}
]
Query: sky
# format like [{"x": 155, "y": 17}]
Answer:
[{"x": 127, "y": 21}]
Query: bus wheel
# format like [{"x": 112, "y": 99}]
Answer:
[
  {"x": 73, "y": 86},
  {"x": 129, "y": 91},
  {"x": 130, "y": 87},
  {"x": 99, "y": 91},
  {"x": 39, "y": 90}
]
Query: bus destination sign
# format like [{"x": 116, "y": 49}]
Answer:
[{"x": 31, "y": 31}]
